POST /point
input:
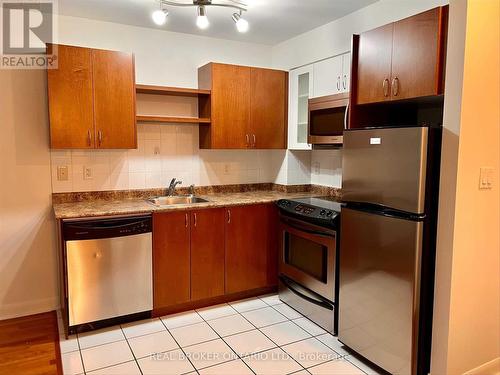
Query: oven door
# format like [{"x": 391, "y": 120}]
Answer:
[{"x": 307, "y": 256}]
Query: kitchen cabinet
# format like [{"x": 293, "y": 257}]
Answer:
[
  {"x": 268, "y": 108},
  {"x": 251, "y": 247},
  {"x": 301, "y": 89},
  {"x": 188, "y": 256},
  {"x": 92, "y": 99},
  {"x": 171, "y": 259},
  {"x": 331, "y": 76},
  {"x": 247, "y": 107},
  {"x": 207, "y": 253},
  {"x": 402, "y": 60}
]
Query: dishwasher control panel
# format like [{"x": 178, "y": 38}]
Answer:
[{"x": 106, "y": 227}]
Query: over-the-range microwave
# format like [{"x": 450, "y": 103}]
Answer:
[{"x": 328, "y": 119}]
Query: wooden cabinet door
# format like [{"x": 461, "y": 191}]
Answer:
[
  {"x": 171, "y": 258},
  {"x": 268, "y": 96},
  {"x": 207, "y": 253},
  {"x": 374, "y": 65},
  {"x": 114, "y": 99},
  {"x": 416, "y": 56},
  {"x": 230, "y": 106},
  {"x": 251, "y": 247},
  {"x": 328, "y": 77},
  {"x": 70, "y": 99}
]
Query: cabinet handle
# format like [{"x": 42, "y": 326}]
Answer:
[
  {"x": 346, "y": 116},
  {"x": 186, "y": 220},
  {"x": 194, "y": 215},
  {"x": 254, "y": 140},
  {"x": 338, "y": 83},
  {"x": 247, "y": 139},
  {"x": 229, "y": 216},
  {"x": 99, "y": 135},
  {"x": 385, "y": 86},
  {"x": 395, "y": 86},
  {"x": 89, "y": 137},
  {"x": 344, "y": 82}
]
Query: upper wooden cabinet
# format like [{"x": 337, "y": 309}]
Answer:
[
  {"x": 247, "y": 107},
  {"x": 92, "y": 99},
  {"x": 402, "y": 60}
]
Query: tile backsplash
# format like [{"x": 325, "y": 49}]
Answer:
[{"x": 164, "y": 152}]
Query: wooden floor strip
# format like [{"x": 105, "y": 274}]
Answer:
[{"x": 30, "y": 345}]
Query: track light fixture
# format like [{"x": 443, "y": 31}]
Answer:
[
  {"x": 160, "y": 16},
  {"x": 241, "y": 23}
]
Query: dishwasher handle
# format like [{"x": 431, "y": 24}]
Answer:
[{"x": 106, "y": 228}]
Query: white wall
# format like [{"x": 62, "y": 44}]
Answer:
[
  {"x": 467, "y": 302},
  {"x": 28, "y": 257}
]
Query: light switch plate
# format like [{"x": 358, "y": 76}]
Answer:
[
  {"x": 486, "y": 178},
  {"x": 62, "y": 173}
]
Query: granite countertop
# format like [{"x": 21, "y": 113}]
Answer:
[{"x": 131, "y": 206}]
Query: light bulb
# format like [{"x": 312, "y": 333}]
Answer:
[
  {"x": 202, "y": 19},
  {"x": 160, "y": 16},
  {"x": 241, "y": 23}
]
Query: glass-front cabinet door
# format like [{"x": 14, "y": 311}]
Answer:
[{"x": 300, "y": 89}]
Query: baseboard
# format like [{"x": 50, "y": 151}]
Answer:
[
  {"x": 489, "y": 368},
  {"x": 16, "y": 310}
]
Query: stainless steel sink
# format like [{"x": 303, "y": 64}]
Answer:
[{"x": 176, "y": 199}]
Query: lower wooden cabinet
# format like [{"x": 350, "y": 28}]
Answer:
[
  {"x": 251, "y": 247},
  {"x": 207, "y": 253},
  {"x": 171, "y": 259}
]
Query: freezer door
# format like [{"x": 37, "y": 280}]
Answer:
[
  {"x": 379, "y": 288},
  {"x": 109, "y": 277},
  {"x": 386, "y": 167}
]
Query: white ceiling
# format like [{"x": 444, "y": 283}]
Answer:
[{"x": 271, "y": 21}]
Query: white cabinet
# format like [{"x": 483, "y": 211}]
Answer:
[
  {"x": 327, "y": 77},
  {"x": 332, "y": 76},
  {"x": 300, "y": 90},
  {"x": 346, "y": 72}
]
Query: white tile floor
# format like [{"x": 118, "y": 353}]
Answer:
[{"x": 253, "y": 336}]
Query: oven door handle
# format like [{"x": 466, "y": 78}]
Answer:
[
  {"x": 310, "y": 231},
  {"x": 304, "y": 293}
]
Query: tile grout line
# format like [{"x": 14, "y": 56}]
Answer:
[
  {"x": 225, "y": 342},
  {"x": 130, "y": 348},
  {"x": 278, "y": 346},
  {"x": 180, "y": 347}
]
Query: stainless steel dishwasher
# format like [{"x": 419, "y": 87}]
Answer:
[{"x": 108, "y": 269}]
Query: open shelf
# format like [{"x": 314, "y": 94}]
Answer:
[
  {"x": 174, "y": 91},
  {"x": 169, "y": 119}
]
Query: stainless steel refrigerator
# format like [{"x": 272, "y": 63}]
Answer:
[{"x": 387, "y": 245}]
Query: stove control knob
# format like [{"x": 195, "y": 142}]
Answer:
[
  {"x": 322, "y": 213},
  {"x": 329, "y": 214}
]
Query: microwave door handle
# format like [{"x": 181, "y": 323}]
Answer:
[
  {"x": 346, "y": 116},
  {"x": 305, "y": 294}
]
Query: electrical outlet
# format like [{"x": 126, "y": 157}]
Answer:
[
  {"x": 227, "y": 168},
  {"x": 317, "y": 167},
  {"x": 485, "y": 178},
  {"x": 62, "y": 173},
  {"x": 87, "y": 173}
]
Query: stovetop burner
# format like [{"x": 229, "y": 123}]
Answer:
[{"x": 318, "y": 210}]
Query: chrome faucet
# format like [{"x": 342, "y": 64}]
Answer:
[{"x": 173, "y": 185}]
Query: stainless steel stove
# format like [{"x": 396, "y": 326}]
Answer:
[{"x": 308, "y": 258}]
